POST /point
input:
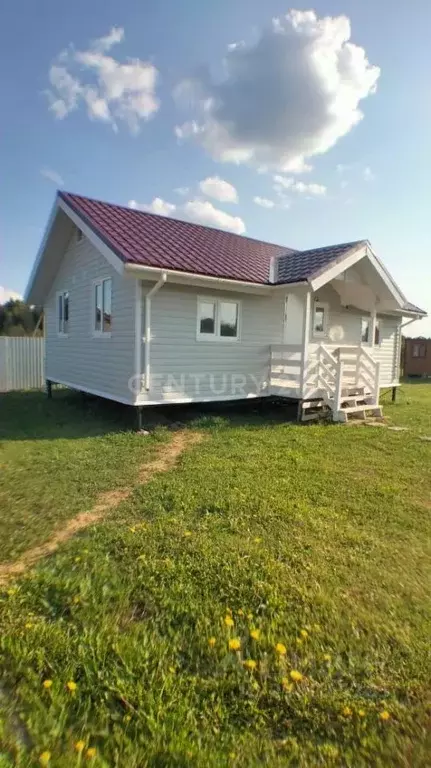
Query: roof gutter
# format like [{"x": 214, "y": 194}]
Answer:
[{"x": 186, "y": 278}]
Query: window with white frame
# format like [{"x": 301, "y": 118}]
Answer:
[
  {"x": 419, "y": 350},
  {"x": 102, "y": 299},
  {"x": 320, "y": 319},
  {"x": 63, "y": 313},
  {"x": 365, "y": 330},
  {"x": 218, "y": 320}
]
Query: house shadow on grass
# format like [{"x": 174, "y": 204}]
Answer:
[{"x": 72, "y": 415}]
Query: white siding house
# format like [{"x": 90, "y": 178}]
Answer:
[{"x": 138, "y": 308}]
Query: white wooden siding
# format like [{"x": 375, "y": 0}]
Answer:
[
  {"x": 183, "y": 367},
  {"x": 388, "y": 351},
  {"x": 100, "y": 365}
]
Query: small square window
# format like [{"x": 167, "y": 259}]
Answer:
[
  {"x": 218, "y": 320},
  {"x": 419, "y": 350}
]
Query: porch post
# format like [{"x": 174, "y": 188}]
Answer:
[
  {"x": 373, "y": 327},
  {"x": 305, "y": 342}
]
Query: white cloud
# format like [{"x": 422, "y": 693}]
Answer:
[
  {"x": 116, "y": 35},
  {"x": 157, "y": 205},
  {"x": 53, "y": 176},
  {"x": 182, "y": 191},
  {"x": 6, "y": 295},
  {"x": 263, "y": 202},
  {"x": 204, "y": 212},
  {"x": 219, "y": 189},
  {"x": 111, "y": 92},
  {"x": 288, "y": 96},
  {"x": 368, "y": 174},
  {"x": 282, "y": 183},
  {"x": 198, "y": 211}
]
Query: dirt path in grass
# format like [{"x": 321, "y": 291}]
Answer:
[{"x": 166, "y": 458}]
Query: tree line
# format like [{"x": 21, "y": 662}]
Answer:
[{"x": 19, "y": 319}]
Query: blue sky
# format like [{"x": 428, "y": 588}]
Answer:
[{"x": 369, "y": 178}]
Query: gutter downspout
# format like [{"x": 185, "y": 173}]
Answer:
[{"x": 147, "y": 349}]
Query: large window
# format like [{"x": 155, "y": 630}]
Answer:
[
  {"x": 63, "y": 313},
  {"x": 320, "y": 319},
  {"x": 102, "y": 307},
  {"x": 218, "y": 320}
]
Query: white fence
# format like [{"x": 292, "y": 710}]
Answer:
[{"x": 22, "y": 363}]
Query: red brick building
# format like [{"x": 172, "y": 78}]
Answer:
[{"x": 417, "y": 357}]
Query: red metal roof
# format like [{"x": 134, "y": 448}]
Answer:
[{"x": 144, "y": 238}]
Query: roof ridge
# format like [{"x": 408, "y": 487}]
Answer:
[{"x": 62, "y": 193}]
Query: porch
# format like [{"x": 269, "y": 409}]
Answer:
[{"x": 342, "y": 380}]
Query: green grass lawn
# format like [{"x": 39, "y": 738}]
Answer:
[{"x": 265, "y": 602}]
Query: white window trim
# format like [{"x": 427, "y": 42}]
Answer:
[
  {"x": 325, "y": 306},
  {"x": 211, "y": 337},
  {"x": 99, "y": 334},
  {"x": 61, "y": 334}
]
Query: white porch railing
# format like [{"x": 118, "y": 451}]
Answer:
[{"x": 328, "y": 374}]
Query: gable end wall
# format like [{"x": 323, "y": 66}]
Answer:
[{"x": 101, "y": 365}]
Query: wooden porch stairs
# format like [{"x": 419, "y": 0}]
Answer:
[
  {"x": 346, "y": 384},
  {"x": 355, "y": 402}
]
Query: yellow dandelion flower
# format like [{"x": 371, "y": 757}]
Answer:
[
  {"x": 228, "y": 620},
  {"x": 47, "y": 684},
  {"x": 361, "y": 712},
  {"x": 347, "y": 712},
  {"x": 281, "y": 649},
  {"x": 235, "y": 644},
  {"x": 90, "y": 753},
  {"x": 79, "y": 745},
  {"x": 296, "y": 676},
  {"x": 304, "y": 633},
  {"x": 287, "y": 685},
  {"x": 255, "y": 634},
  {"x": 211, "y": 642},
  {"x": 250, "y": 664},
  {"x": 384, "y": 715},
  {"x": 71, "y": 686},
  {"x": 327, "y": 657},
  {"x": 45, "y": 757}
]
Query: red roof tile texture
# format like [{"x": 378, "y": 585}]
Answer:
[{"x": 157, "y": 241}]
